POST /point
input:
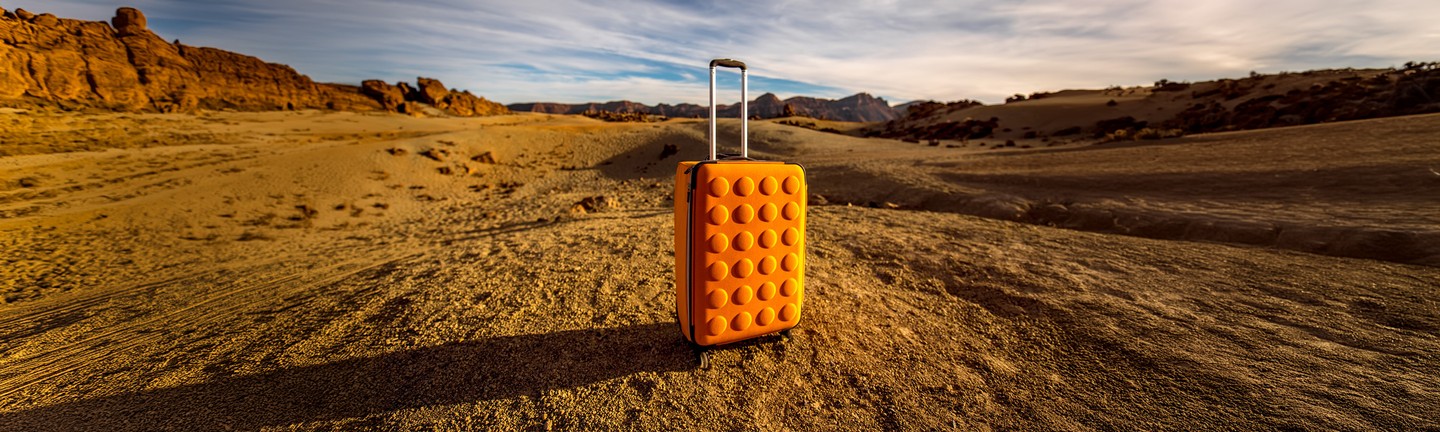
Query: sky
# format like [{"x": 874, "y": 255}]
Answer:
[{"x": 658, "y": 51}]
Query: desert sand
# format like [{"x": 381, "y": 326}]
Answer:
[{"x": 331, "y": 270}]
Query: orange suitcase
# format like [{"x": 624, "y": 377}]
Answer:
[{"x": 739, "y": 240}]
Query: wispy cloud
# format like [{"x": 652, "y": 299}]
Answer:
[{"x": 573, "y": 51}]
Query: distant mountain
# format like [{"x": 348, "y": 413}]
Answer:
[
  {"x": 860, "y": 107},
  {"x": 1172, "y": 108},
  {"x": 904, "y": 109}
]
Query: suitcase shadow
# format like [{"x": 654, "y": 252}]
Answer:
[{"x": 496, "y": 368}]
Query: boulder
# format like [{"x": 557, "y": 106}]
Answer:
[
  {"x": 414, "y": 109},
  {"x": 465, "y": 104},
  {"x": 407, "y": 91},
  {"x": 128, "y": 21},
  {"x": 24, "y": 14},
  {"x": 46, "y": 20},
  {"x": 431, "y": 91},
  {"x": 390, "y": 97}
]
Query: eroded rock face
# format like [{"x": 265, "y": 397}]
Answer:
[
  {"x": 431, "y": 91},
  {"x": 128, "y": 21},
  {"x": 123, "y": 65},
  {"x": 390, "y": 97},
  {"x": 403, "y": 98},
  {"x": 468, "y": 105}
]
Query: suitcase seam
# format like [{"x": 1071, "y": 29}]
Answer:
[{"x": 690, "y": 248}]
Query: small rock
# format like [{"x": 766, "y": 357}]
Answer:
[
  {"x": 669, "y": 150},
  {"x": 890, "y": 205},
  {"x": 595, "y": 204},
  {"x": 437, "y": 154},
  {"x": 817, "y": 199},
  {"x": 24, "y": 14},
  {"x": 445, "y": 170},
  {"x": 29, "y": 182},
  {"x": 414, "y": 109},
  {"x": 46, "y": 20},
  {"x": 396, "y": 151},
  {"x": 486, "y": 158}
]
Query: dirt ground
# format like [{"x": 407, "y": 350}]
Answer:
[{"x": 320, "y": 270}]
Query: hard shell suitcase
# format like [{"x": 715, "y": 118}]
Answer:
[{"x": 739, "y": 239}]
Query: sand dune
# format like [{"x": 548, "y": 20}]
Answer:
[{"x": 341, "y": 270}]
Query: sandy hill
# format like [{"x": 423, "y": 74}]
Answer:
[
  {"x": 1172, "y": 108},
  {"x": 860, "y": 107},
  {"x": 338, "y": 270},
  {"x": 122, "y": 65}
]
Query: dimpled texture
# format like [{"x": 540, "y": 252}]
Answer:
[
  {"x": 743, "y": 295},
  {"x": 718, "y": 242},
  {"x": 744, "y": 214},
  {"x": 767, "y": 265},
  {"x": 717, "y": 299},
  {"x": 742, "y": 321},
  {"x": 717, "y": 325},
  {"x": 746, "y": 242},
  {"x": 744, "y": 268},
  {"x": 766, "y": 291},
  {"x": 719, "y": 187},
  {"x": 768, "y": 185},
  {"x": 767, "y": 239},
  {"x": 765, "y": 317},
  {"x": 718, "y": 271},
  {"x": 719, "y": 215},
  {"x": 768, "y": 212},
  {"x": 745, "y": 186}
]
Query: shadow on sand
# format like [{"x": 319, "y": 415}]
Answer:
[{"x": 498, "y": 368}]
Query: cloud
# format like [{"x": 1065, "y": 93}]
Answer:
[{"x": 652, "y": 52}]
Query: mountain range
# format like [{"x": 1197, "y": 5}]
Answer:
[{"x": 860, "y": 107}]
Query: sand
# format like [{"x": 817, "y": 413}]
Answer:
[{"x": 317, "y": 270}]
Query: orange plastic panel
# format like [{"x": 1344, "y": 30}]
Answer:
[{"x": 742, "y": 231}]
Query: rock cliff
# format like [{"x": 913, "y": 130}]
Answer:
[{"x": 123, "y": 65}]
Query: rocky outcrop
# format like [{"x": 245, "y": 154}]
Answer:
[
  {"x": 465, "y": 104},
  {"x": 123, "y": 65},
  {"x": 431, "y": 91},
  {"x": 403, "y": 98},
  {"x": 389, "y": 96},
  {"x": 861, "y": 107}
]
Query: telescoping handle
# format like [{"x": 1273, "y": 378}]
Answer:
[{"x": 744, "y": 107}]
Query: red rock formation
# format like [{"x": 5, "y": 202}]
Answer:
[
  {"x": 74, "y": 63},
  {"x": 431, "y": 91},
  {"x": 390, "y": 97}
]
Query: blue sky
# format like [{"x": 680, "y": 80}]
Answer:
[{"x": 652, "y": 52}]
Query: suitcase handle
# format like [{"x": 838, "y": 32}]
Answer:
[{"x": 744, "y": 106}]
